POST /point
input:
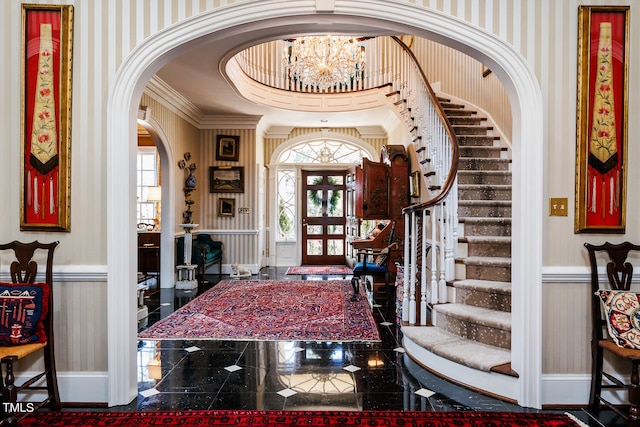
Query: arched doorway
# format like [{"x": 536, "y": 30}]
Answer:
[
  {"x": 287, "y": 165},
  {"x": 253, "y": 21},
  {"x": 161, "y": 141}
]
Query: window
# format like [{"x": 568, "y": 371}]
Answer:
[
  {"x": 323, "y": 152},
  {"x": 286, "y": 188},
  {"x": 147, "y": 176}
]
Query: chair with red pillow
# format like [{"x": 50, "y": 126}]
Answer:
[{"x": 26, "y": 326}]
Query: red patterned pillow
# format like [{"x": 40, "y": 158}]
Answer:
[
  {"x": 22, "y": 308},
  {"x": 623, "y": 316}
]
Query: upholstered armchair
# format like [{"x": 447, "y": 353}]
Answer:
[{"x": 206, "y": 252}]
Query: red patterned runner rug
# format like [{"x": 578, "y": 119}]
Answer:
[
  {"x": 298, "y": 418},
  {"x": 330, "y": 270},
  {"x": 271, "y": 310}
]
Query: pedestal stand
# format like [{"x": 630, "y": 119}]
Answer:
[
  {"x": 187, "y": 271},
  {"x": 143, "y": 310}
]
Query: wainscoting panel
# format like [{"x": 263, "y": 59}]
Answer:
[
  {"x": 239, "y": 247},
  {"x": 566, "y": 324}
]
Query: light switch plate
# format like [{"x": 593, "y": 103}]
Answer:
[
  {"x": 243, "y": 210},
  {"x": 558, "y": 206}
]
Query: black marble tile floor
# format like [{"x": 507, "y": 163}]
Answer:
[{"x": 178, "y": 375}]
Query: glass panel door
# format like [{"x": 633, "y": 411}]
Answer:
[{"x": 323, "y": 219}]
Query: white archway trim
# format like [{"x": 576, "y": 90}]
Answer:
[
  {"x": 258, "y": 19},
  {"x": 168, "y": 218},
  {"x": 325, "y": 134}
]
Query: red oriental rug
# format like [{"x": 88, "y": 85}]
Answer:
[
  {"x": 271, "y": 310},
  {"x": 329, "y": 270},
  {"x": 295, "y": 418}
]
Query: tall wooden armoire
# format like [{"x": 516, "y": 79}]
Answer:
[{"x": 378, "y": 191}]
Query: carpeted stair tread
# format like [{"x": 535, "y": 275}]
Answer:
[
  {"x": 477, "y": 140},
  {"x": 484, "y": 202},
  {"x": 485, "y": 239},
  {"x": 487, "y": 172},
  {"x": 494, "y": 261},
  {"x": 478, "y": 315},
  {"x": 484, "y": 176},
  {"x": 484, "y": 163},
  {"x": 464, "y": 130},
  {"x": 481, "y": 186},
  {"x": 488, "y": 159},
  {"x": 503, "y": 288},
  {"x": 460, "y": 350},
  {"x": 485, "y": 220}
]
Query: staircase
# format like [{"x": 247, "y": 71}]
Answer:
[{"x": 475, "y": 328}]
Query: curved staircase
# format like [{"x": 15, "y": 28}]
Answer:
[{"x": 474, "y": 328}]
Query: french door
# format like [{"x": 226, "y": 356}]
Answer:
[{"x": 323, "y": 218}]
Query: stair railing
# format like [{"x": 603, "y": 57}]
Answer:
[{"x": 436, "y": 144}]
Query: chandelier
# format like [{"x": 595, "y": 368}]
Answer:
[{"x": 324, "y": 62}]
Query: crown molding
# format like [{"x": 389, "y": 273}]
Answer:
[
  {"x": 278, "y": 132},
  {"x": 159, "y": 90},
  {"x": 372, "y": 131},
  {"x": 229, "y": 122}
]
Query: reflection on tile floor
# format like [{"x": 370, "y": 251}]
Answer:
[{"x": 295, "y": 375}]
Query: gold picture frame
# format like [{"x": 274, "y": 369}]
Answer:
[
  {"x": 227, "y": 207},
  {"x": 602, "y": 112},
  {"x": 414, "y": 184},
  {"x": 47, "y": 50},
  {"x": 226, "y": 179},
  {"x": 227, "y": 147}
]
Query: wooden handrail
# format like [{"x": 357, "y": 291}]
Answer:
[{"x": 453, "y": 171}]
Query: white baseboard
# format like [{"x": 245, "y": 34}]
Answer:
[
  {"x": 226, "y": 269},
  {"x": 83, "y": 387},
  {"x": 565, "y": 389},
  {"x": 74, "y": 387},
  {"x": 573, "y": 390}
]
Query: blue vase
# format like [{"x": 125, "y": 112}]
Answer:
[{"x": 191, "y": 179}]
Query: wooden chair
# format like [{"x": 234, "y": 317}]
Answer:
[
  {"x": 375, "y": 262},
  {"x": 23, "y": 272},
  {"x": 619, "y": 273}
]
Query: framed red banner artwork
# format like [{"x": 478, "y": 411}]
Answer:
[
  {"x": 601, "y": 158},
  {"x": 47, "y": 44}
]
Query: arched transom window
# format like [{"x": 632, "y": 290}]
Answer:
[{"x": 323, "y": 152}]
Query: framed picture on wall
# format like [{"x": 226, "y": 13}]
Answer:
[
  {"x": 47, "y": 40},
  {"x": 226, "y": 207},
  {"x": 414, "y": 184},
  {"x": 227, "y": 147},
  {"x": 601, "y": 157},
  {"x": 226, "y": 179}
]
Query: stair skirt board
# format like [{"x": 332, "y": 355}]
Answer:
[{"x": 503, "y": 387}]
